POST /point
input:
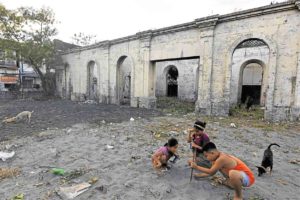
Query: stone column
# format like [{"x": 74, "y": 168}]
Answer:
[
  {"x": 295, "y": 114},
  {"x": 206, "y": 28},
  {"x": 146, "y": 98}
]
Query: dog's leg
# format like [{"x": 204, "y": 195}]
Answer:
[{"x": 271, "y": 168}]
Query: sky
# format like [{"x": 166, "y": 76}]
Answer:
[{"x": 110, "y": 19}]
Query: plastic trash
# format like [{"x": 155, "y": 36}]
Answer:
[
  {"x": 109, "y": 146},
  {"x": 18, "y": 197},
  {"x": 75, "y": 190},
  {"x": 131, "y": 119},
  {"x": 5, "y": 155},
  {"x": 58, "y": 171}
]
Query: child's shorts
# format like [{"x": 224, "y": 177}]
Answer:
[{"x": 246, "y": 180}]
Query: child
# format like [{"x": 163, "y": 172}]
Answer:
[
  {"x": 236, "y": 172},
  {"x": 163, "y": 154},
  {"x": 198, "y": 138}
]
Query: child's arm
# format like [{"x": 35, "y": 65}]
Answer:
[
  {"x": 156, "y": 157},
  {"x": 194, "y": 145},
  {"x": 190, "y": 135},
  {"x": 201, "y": 175},
  {"x": 211, "y": 171}
]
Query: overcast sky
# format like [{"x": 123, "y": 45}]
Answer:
[{"x": 109, "y": 19}]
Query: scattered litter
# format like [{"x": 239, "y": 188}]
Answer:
[
  {"x": 58, "y": 171},
  {"x": 4, "y": 155},
  {"x": 90, "y": 102},
  {"x": 232, "y": 125},
  {"x": 38, "y": 184},
  {"x": 294, "y": 162},
  {"x": 283, "y": 182},
  {"x": 102, "y": 189},
  {"x": 93, "y": 180},
  {"x": 74, "y": 174},
  {"x": 131, "y": 119},
  {"x": 18, "y": 197},
  {"x": 73, "y": 191},
  {"x": 109, "y": 146},
  {"x": 8, "y": 172},
  {"x": 135, "y": 157},
  {"x": 69, "y": 131}
]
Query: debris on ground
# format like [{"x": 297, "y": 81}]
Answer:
[
  {"x": 8, "y": 172},
  {"x": 58, "y": 171},
  {"x": 73, "y": 191},
  {"x": 5, "y": 155},
  {"x": 296, "y": 161},
  {"x": 74, "y": 174},
  {"x": 93, "y": 180},
  {"x": 90, "y": 102},
  {"x": 102, "y": 189},
  {"x": 18, "y": 197},
  {"x": 131, "y": 119},
  {"x": 109, "y": 146}
]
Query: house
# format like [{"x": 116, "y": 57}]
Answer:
[{"x": 9, "y": 73}]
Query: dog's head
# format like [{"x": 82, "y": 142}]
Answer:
[{"x": 261, "y": 170}]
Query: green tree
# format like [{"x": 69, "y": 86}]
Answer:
[{"x": 29, "y": 32}]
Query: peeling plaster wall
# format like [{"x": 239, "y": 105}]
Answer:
[
  {"x": 213, "y": 40},
  {"x": 187, "y": 78}
]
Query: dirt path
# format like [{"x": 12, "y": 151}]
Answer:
[{"x": 53, "y": 114}]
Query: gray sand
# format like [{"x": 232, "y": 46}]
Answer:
[{"x": 83, "y": 146}]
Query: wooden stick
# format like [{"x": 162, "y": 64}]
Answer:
[{"x": 194, "y": 158}]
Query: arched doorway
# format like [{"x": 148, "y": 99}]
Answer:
[
  {"x": 91, "y": 81},
  {"x": 124, "y": 67},
  {"x": 251, "y": 83},
  {"x": 172, "y": 83},
  {"x": 250, "y": 61}
]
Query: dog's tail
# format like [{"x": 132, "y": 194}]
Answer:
[{"x": 273, "y": 145}]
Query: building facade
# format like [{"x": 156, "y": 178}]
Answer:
[{"x": 216, "y": 61}]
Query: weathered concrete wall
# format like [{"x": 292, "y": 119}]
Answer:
[
  {"x": 241, "y": 57},
  {"x": 213, "y": 40},
  {"x": 187, "y": 78}
]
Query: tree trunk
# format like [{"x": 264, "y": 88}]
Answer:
[{"x": 48, "y": 81}]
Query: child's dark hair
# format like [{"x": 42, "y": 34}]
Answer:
[
  {"x": 172, "y": 142},
  {"x": 199, "y": 125},
  {"x": 209, "y": 146}
]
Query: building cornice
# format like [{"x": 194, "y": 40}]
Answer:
[{"x": 202, "y": 23}]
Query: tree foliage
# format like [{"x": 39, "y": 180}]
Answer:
[
  {"x": 82, "y": 39},
  {"x": 27, "y": 33}
]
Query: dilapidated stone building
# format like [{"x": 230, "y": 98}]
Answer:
[{"x": 216, "y": 61}]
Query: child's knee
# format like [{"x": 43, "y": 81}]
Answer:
[{"x": 235, "y": 175}]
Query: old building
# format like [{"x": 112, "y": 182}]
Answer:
[{"x": 217, "y": 61}]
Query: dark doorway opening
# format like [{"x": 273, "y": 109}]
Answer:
[
  {"x": 172, "y": 83},
  {"x": 252, "y": 84},
  {"x": 251, "y": 91}
]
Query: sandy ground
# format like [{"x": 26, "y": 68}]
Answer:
[{"x": 125, "y": 172}]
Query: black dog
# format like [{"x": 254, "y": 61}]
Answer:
[{"x": 267, "y": 161}]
